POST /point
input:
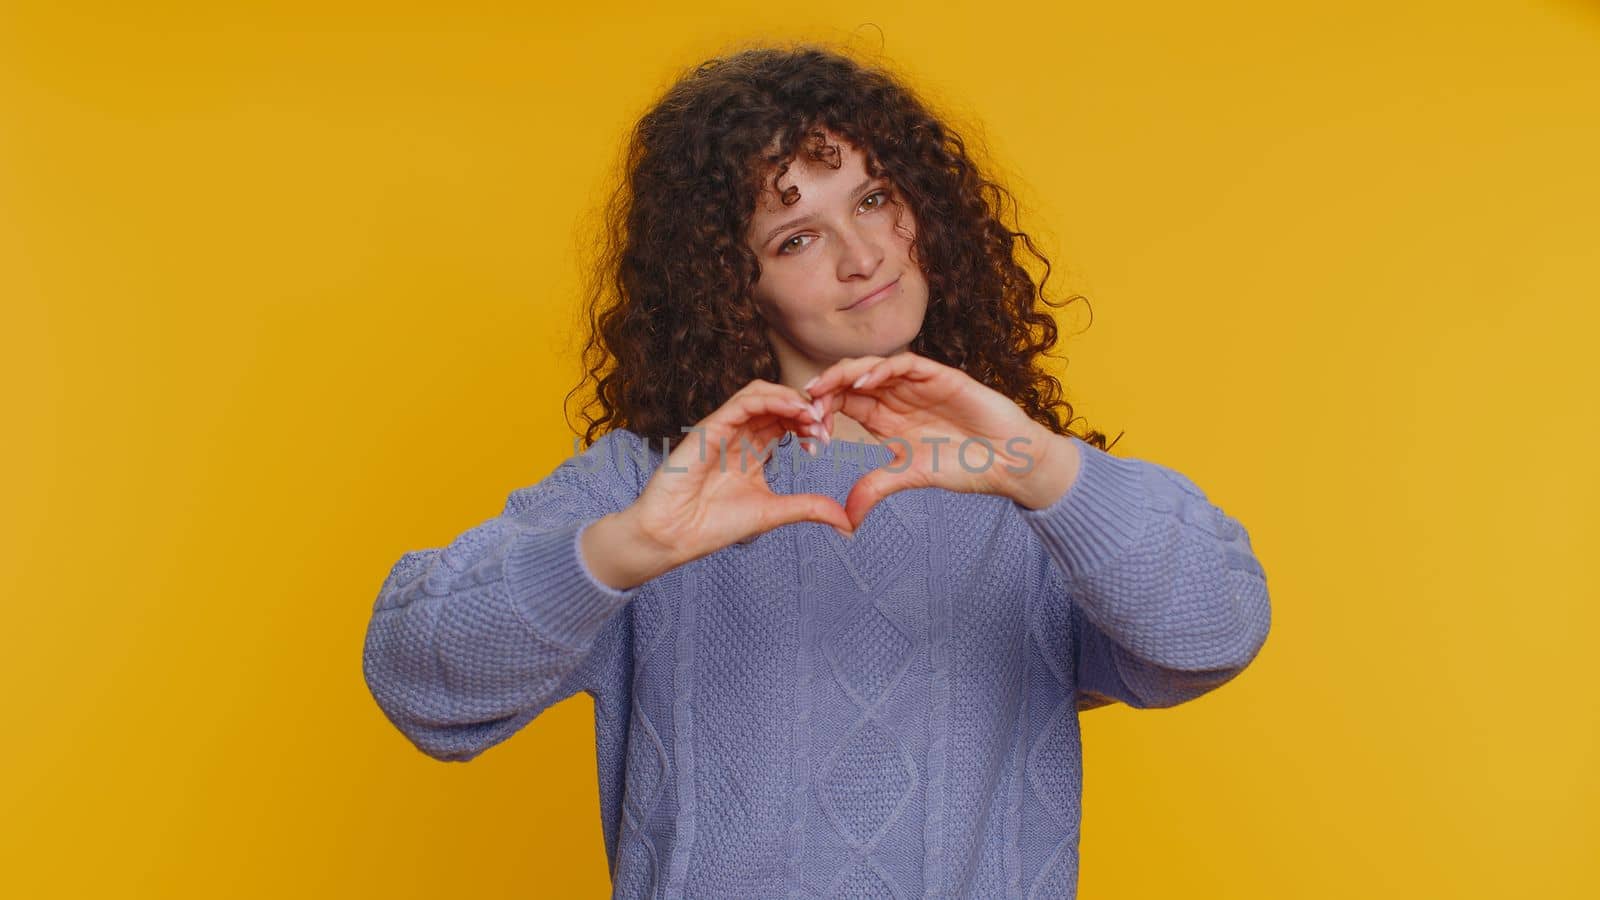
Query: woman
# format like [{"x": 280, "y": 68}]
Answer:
[{"x": 813, "y": 677}]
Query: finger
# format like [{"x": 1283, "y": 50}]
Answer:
[
  {"x": 833, "y": 394},
  {"x": 807, "y": 437},
  {"x": 762, "y": 387},
  {"x": 767, "y": 431},
  {"x": 840, "y": 373},
  {"x": 749, "y": 404},
  {"x": 857, "y": 405},
  {"x": 715, "y": 446},
  {"x": 807, "y": 428},
  {"x": 906, "y": 365},
  {"x": 754, "y": 447},
  {"x": 739, "y": 449},
  {"x": 825, "y": 406},
  {"x": 871, "y": 488},
  {"x": 804, "y": 427}
]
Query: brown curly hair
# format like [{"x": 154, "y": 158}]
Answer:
[{"x": 672, "y": 334}]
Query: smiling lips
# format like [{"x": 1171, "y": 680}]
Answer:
[{"x": 876, "y": 297}]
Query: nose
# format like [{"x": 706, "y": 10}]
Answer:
[{"x": 860, "y": 253}]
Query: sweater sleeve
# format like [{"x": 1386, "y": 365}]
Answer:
[
  {"x": 1166, "y": 597},
  {"x": 467, "y": 643}
]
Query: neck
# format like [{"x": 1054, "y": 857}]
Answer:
[
  {"x": 848, "y": 429},
  {"x": 795, "y": 369},
  {"x": 844, "y": 427}
]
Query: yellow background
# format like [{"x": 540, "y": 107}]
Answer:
[{"x": 289, "y": 290}]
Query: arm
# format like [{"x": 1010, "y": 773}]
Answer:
[
  {"x": 1167, "y": 599},
  {"x": 469, "y": 642}
]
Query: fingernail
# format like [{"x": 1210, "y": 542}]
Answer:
[
  {"x": 863, "y": 378},
  {"x": 811, "y": 382}
]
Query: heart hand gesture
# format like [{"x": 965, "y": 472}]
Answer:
[{"x": 944, "y": 430}]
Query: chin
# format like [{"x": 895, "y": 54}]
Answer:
[{"x": 890, "y": 345}]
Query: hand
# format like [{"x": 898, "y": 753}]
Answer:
[
  {"x": 711, "y": 491},
  {"x": 924, "y": 411}
]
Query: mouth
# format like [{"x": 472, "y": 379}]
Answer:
[{"x": 876, "y": 296}]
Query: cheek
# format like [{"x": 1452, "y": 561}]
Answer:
[{"x": 789, "y": 292}]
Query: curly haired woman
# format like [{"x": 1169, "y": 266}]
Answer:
[{"x": 850, "y": 669}]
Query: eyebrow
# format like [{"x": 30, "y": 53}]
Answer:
[{"x": 792, "y": 223}]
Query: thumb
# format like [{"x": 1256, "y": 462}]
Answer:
[{"x": 873, "y": 487}]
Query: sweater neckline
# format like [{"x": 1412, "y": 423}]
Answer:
[
  {"x": 839, "y": 463},
  {"x": 789, "y": 443}
]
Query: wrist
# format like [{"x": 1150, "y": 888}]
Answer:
[
  {"x": 623, "y": 553},
  {"x": 1055, "y": 468}
]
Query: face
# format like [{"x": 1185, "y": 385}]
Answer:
[{"x": 824, "y": 261}]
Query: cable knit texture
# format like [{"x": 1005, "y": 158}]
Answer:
[{"x": 809, "y": 716}]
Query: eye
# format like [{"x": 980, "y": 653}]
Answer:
[
  {"x": 789, "y": 247},
  {"x": 783, "y": 248}
]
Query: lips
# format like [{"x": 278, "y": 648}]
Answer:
[{"x": 875, "y": 296}]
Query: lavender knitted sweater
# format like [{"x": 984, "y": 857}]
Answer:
[{"x": 808, "y": 716}]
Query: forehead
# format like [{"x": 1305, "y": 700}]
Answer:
[{"x": 811, "y": 178}]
